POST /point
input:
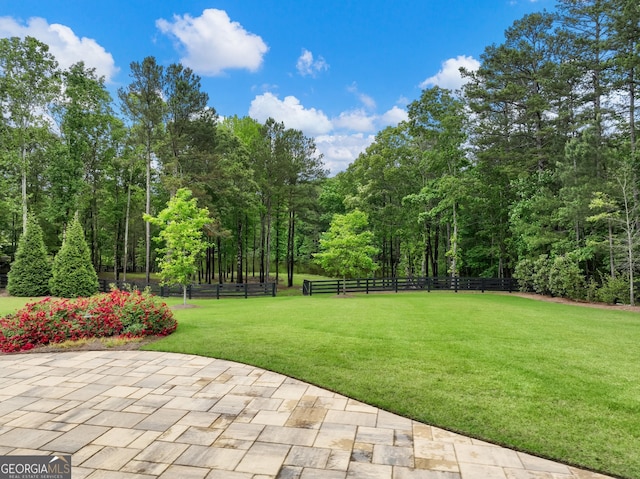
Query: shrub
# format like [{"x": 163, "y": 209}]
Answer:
[
  {"x": 523, "y": 272},
  {"x": 56, "y": 320},
  {"x": 614, "y": 290},
  {"x": 31, "y": 270},
  {"x": 540, "y": 277},
  {"x": 73, "y": 274},
  {"x": 566, "y": 279}
]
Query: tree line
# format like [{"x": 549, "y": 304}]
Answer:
[
  {"x": 530, "y": 170},
  {"x": 64, "y": 150}
]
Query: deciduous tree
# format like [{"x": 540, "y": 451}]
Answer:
[
  {"x": 346, "y": 250},
  {"x": 181, "y": 234}
]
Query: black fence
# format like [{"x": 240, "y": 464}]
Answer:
[
  {"x": 370, "y": 285},
  {"x": 224, "y": 290}
]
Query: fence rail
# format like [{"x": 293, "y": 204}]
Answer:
[
  {"x": 224, "y": 290},
  {"x": 369, "y": 285}
]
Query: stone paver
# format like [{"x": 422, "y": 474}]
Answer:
[{"x": 137, "y": 414}]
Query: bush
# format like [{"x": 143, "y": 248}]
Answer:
[
  {"x": 124, "y": 313},
  {"x": 73, "y": 274},
  {"x": 614, "y": 290},
  {"x": 31, "y": 270},
  {"x": 566, "y": 279},
  {"x": 523, "y": 272},
  {"x": 540, "y": 277}
]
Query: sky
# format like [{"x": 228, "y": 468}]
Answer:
[{"x": 339, "y": 70}]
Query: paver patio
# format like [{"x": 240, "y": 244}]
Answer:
[{"x": 137, "y": 414}]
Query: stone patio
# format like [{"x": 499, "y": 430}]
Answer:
[{"x": 137, "y": 414}]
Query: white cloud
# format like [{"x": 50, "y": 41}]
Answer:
[
  {"x": 365, "y": 99},
  {"x": 340, "y": 139},
  {"x": 393, "y": 116},
  {"x": 289, "y": 111},
  {"x": 340, "y": 150},
  {"x": 357, "y": 120},
  {"x": 449, "y": 75},
  {"x": 213, "y": 43},
  {"x": 308, "y": 66},
  {"x": 64, "y": 44}
]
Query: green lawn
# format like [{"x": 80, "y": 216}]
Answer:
[
  {"x": 554, "y": 380},
  {"x": 558, "y": 381}
]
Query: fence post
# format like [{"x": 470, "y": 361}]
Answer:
[
  {"x": 162, "y": 291},
  {"x": 482, "y": 284},
  {"x": 189, "y": 291},
  {"x": 273, "y": 290},
  {"x": 217, "y": 290},
  {"x": 395, "y": 280},
  {"x": 246, "y": 290}
]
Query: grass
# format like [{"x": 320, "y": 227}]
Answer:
[{"x": 554, "y": 380}]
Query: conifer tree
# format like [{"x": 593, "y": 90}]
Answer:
[
  {"x": 31, "y": 270},
  {"x": 73, "y": 274}
]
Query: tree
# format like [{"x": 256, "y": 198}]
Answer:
[
  {"x": 623, "y": 215},
  {"x": 31, "y": 270},
  {"x": 73, "y": 274},
  {"x": 29, "y": 82},
  {"x": 346, "y": 249},
  {"x": 180, "y": 224},
  {"x": 437, "y": 122},
  {"x": 142, "y": 102}
]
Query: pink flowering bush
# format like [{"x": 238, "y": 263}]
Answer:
[{"x": 124, "y": 313}]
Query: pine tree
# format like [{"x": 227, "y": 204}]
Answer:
[
  {"x": 73, "y": 274},
  {"x": 31, "y": 270}
]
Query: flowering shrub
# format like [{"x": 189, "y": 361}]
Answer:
[{"x": 127, "y": 313}]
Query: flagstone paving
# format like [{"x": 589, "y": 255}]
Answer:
[{"x": 137, "y": 414}]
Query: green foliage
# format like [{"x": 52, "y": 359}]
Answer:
[
  {"x": 57, "y": 320},
  {"x": 73, "y": 274},
  {"x": 31, "y": 270},
  {"x": 540, "y": 278},
  {"x": 346, "y": 250},
  {"x": 566, "y": 279},
  {"x": 181, "y": 224},
  {"x": 614, "y": 290},
  {"x": 524, "y": 274}
]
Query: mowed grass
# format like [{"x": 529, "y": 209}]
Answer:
[{"x": 559, "y": 381}]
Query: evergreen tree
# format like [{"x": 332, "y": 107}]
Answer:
[
  {"x": 31, "y": 270},
  {"x": 73, "y": 274}
]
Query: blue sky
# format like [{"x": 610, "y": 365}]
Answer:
[{"x": 339, "y": 70}]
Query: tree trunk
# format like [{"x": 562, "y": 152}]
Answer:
[
  {"x": 148, "y": 211},
  {"x": 126, "y": 230},
  {"x": 239, "y": 278},
  {"x": 23, "y": 154},
  {"x": 290, "y": 248},
  {"x": 454, "y": 245}
]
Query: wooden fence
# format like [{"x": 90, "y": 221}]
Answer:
[
  {"x": 369, "y": 285},
  {"x": 224, "y": 290}
]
